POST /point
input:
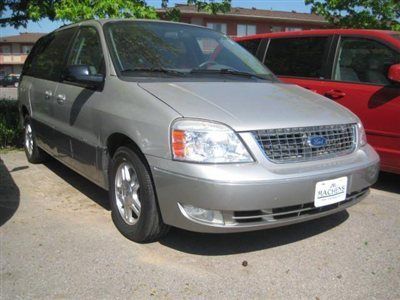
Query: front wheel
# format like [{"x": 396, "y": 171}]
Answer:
[
  {"x": 33, "y": 153},
  {"x": 133, "y": 201}
]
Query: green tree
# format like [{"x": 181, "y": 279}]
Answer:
[
  {"x": 377, "y": 14},
  {"x": 18, "y": 12}
]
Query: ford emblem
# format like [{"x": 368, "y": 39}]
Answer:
[{"x": 316, "y": 141}]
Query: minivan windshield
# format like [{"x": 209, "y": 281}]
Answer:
[{"x": 145, "y": 48}]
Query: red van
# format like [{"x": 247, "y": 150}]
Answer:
[{"x": 359, "y": 69}]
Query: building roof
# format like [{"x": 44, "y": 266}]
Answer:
[
  {"x": 257, "y": 14},
  {"x": 27, "y": 37}
]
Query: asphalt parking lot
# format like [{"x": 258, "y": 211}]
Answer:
[{"x": 57, "y": 240}]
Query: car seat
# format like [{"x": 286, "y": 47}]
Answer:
[
  {"x": 345, "y": 71},
  {"x": 375, "y": 72}
]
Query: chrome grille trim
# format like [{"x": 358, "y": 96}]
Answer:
[{"x": 286, "y": 145}]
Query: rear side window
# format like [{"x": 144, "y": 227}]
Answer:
[
  {"x": 300, "y": 57},
  {"x": 49, "y": 54},
  {"x": 38, "y": 48},
  {"x": 251, "y": 45}
]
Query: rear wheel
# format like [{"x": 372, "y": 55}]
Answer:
[
  {"x": 132, "y": 198},
  {"x": 33, "y": 153}
]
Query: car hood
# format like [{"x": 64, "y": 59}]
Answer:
[{"x": 250, "y": 105}]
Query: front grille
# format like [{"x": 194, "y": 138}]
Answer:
[
  {"x": 293, "y": 144},
  {"x": 289, "y": 212}
]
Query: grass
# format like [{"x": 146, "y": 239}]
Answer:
[
  {"x": 6, "y": 150},
  {"x": 10, "y": 129}
]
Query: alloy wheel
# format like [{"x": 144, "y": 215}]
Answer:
[{"x": 127, "y": 193}]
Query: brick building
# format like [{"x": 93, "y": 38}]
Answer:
[
  {"x": 14, "y": 50},
  {"x": 248, "y": 21}
]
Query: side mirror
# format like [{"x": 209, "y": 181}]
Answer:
[
  {"x": 81, "y": 75},
  {"x": 394, "y": 73}
]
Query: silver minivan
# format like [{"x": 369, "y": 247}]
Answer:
[{"x": 185, "y": 128}]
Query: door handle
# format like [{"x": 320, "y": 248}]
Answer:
[
  {"x": 61, "y": 98},
  {"x": 335, "y": 94},
  {"x": 48, "y": 94}
]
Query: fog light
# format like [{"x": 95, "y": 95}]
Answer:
[{"x": 201, "y": 214}]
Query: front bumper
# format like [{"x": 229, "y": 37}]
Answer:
[{"x": 257, "y": 195}]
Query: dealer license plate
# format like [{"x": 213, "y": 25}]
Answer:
[{"x": 330, "y": 191}]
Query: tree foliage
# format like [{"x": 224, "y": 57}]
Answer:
[
  {"x": 212, "y": 7},
  {"x": 18, "y": 12},
  {"x": 376, "y": 14}
]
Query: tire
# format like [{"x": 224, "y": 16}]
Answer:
[
  {"x": 33, "y": 153},
  {"x": 142, "y": 222}
]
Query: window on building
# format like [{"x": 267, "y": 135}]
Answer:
[
  {"x": 277, "y": 28},
  {"x": 301, "y": 57},
  {"x": 246, "y": 29},
  {"x": 6, "y": 49},
  {"x": 362, "y": 60},
  {"x": 221, "y": 27},
  {"x": 26, "y": 49},
  {"x": 288, "y": 29}
]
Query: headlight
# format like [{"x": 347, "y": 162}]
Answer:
[
  {"x": 206, "y": 142},
  {"x": 362, "y": 137}
]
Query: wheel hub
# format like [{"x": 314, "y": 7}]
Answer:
[
  {"x": 29, "y": 139},
  {"x": 127, "y": 193}
]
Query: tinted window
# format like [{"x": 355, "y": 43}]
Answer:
[
  {"x": 49, "y": 55},
  {"x": 135, "y": 46},
  {"x": 251, "y": 45},
  {"x": 364, "y": 60},
  {"x": 38, "y": 48},
  {"x": 86, "y": 50},
  {"x": 302, "y": 57}
]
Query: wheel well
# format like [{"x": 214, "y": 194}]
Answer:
[
  {"x": 24, "y": 111},
  {"x": 117, "y": 140}
]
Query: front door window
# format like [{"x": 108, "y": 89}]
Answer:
[
  {"x": 86, "y": 50},
  {"x": 364, "y": 60}
]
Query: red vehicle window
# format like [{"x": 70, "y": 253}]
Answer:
[
  {"x": 300, "y": 57},
  {"x": 364, "y": 60},
  {"x": 251, "y": 45}
]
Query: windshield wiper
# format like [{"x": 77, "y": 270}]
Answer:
[
  {"x": 154, "y": 70},
  {"x": 229, "y": 72}
]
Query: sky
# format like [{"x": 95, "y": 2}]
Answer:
[{"x": 285, "y": 5}]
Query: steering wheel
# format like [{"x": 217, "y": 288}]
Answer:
[{"x": 207, "y": 63}]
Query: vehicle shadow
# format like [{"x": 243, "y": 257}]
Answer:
[
  {"x": 388, "y": 182},
  {"x": 211, "y": 244},
  {"x": 9, "y": 195},
  {"x": 235, "y": 243},
  {"x": 86, "y": 187}
]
